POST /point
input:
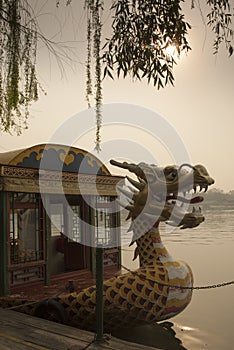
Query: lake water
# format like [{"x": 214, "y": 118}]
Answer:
[{"x": 208, "y": 322}]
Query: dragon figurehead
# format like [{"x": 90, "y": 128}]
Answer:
[{"x": 163, "y": 194}]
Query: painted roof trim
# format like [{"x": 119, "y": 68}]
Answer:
[{"x": 55, "y": 157}]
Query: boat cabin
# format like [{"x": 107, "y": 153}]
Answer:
[{"x": 57, "y": 203}]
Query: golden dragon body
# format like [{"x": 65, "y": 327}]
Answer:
[{"x": 162, "y": 286}]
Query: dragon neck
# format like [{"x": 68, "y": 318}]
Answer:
[{"x": 150, "y": 248}]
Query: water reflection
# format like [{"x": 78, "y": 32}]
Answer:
[
  {"x": 192, "y": 337},
  {"x": 208, "y": 321},
  {"x": 160, "y": 335},
  {"x": 166, "y": 336},
  {"x": 217, "y": 227}
]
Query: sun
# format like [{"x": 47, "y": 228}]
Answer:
[{"x": 172, "y": 51}]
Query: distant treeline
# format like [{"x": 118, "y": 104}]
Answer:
[{"x": 218, "y": 198}]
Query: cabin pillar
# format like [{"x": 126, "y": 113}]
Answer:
[
  {"x": 47, "y": 224},
  {"x": 4, "y": 285},
  {"x": 92, "y": 235}
]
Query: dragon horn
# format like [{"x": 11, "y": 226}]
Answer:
[
  {"x": 133, "y": 168},
  {"x": 138, "y": 185}
]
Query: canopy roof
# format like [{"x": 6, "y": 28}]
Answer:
[{"x": 55, "y": 157}]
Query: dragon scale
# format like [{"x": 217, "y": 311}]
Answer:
[{"x": 137, "y": 297}]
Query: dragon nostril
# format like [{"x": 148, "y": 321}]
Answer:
[{"x": 211, "y": 181}]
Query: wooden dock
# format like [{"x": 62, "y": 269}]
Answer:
[{"x": 23, "y": 332}]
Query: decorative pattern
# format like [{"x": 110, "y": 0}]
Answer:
[
  {"x": 75, "y": 234},
  {"x": 19, "y": 179},
  {"x": 59, "y": 158},
  {"x": 135, "y": 298}
]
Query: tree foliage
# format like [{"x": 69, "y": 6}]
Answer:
[
  {"x": 94, "y": 29},
  {"x": 216, "y": 197},
  {"x": 18, "y": 47},
  {"x": 220, "y": 21},
  {"x": 141, "y": 32}
]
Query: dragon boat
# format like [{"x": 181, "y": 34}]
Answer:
[{"x": 162, "y": 286}]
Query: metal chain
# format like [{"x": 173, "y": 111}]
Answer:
[{"x": 212, "y": 286}]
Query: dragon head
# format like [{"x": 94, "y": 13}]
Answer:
[{"x": 163, "y": 194}]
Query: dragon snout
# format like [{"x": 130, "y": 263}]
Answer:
[
  {"x": 210, "y": 181},
  {"x": 201, "y": 175}
]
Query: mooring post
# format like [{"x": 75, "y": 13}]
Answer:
[{"x": 99, "y": 293}]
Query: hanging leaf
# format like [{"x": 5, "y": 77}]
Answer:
[
  {"x": 94, "y": 29},
  {"x": 18, "y": 81}
]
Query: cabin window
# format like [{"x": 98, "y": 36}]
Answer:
[
  {"x": 105, "y": 220},
  {"x": 26, "y": 243},
  {"x": 74, "y": 223}
]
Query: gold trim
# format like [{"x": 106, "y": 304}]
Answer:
[{"x": 19, "y": 179}]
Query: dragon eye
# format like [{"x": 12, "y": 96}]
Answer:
[{"x": 172, "y": 175}]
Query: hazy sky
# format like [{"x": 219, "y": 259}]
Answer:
[{"x": 199, "y": 108}]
